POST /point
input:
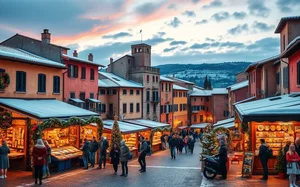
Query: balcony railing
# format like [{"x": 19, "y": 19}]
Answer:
[
  {"x": 142, "y": 69},
  {"x": 155, "y": 99}
]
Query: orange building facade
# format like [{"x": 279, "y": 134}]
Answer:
[
  {"x": 180, "y": 106},
  {"x": 166, "y": 102}
]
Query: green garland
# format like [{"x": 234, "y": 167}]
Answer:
[
  {"x": 52, "y": 123},
  {"x": 5, "y": 119},
  {"x": 223, "y": 130},
  {"x": 4, "y": 80},
  {"x": 245, "y": 127}
]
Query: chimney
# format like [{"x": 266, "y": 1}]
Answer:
[
  {"x": 90, "y": 57},
  {"x": 111, "y": 60},
  {"x": 75, "y": 54},
  {"x": 46, "y": 36}
]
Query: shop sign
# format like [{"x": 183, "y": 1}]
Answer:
[
  {"x": 248, "y": 164},
  {"x": 18, "y": 122}
]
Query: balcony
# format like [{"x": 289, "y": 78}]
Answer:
[
  {"x": 155, "y": 99},
  {"x": 144, "y": 69}
]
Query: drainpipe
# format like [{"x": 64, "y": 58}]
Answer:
[
  {"x": 100, "y": 107},
  {"x": 63, "y": 85},
  {"x": 288, "y": 73}
]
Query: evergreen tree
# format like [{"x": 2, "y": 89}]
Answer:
[
  {"x": 116, "y": 134},
  {"x": 209, "y": 85},
  {"x": 280, "y": 164},
  {"x": 205, "y": 83},
  {"x": 208, "y": 144}
]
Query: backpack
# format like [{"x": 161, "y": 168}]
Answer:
[
  {"x": 148, "y": 151},
  {"x": 269, "y": 153}
]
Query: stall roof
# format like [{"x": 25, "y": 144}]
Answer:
[
  {"x": 226, "y": 125},
  {"x": 45, "y": 108},
  {"x": 279, "y": 108},
  {"x": 224, "y": 122},
  {"x": 182, "y": 127},
  {"x": 238, "y": 85},
  {"x": 124, "y": 127},
  {"x": 176, "y": 87},
  {"x": 148, "y": 123},
  {"x": 199, "y": 126}
]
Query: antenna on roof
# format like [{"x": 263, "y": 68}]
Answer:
[{"x": 141, "y": 32}]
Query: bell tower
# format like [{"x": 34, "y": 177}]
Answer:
[{"x": 141, "y": 54}]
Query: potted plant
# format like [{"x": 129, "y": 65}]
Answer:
[{"x": 280, "y": 164}]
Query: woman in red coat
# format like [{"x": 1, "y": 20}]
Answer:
[
  {"x": 293, "y": 169},
  {"x": 39, "y": 154}
]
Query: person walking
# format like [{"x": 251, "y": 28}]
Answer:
[
  {"x": 46, "y": 172},
  {"x": 103, "y": 145},
  {"x": 115, "y": 157},
  {"x": 124, "y": 158},
  {"x": 94, "y": 146},
  {"x": 173, "y": 143},
  {"x": 292, "y": 159},
  {"x": 263, "y": 156},
  {"x": 180, "y": 144},
  {"x": 143, "y": 153},
  {"x": 4, "y": 160},
  {"x": 191, "y": 143},
  {"x": 163, "y": 142},
  {"x": 85, "y": 153},
  {"x": 222, "y": 159},
  {"x": 185, "y": 144},
  {"x": 39, "y": 154}
]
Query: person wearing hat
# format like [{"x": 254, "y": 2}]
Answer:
[{"x": 222, "y": 159}]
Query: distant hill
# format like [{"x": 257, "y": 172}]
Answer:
[{"x": 220, "y": 74}]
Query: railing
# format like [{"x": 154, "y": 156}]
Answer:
[
  {"x": 155, "y": 99},
  {"x": 144, "y": 69}
]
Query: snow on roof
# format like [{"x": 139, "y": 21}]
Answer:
[
  {"x": 45, "y": 108},
  {"x": 199, "y": 92},
  {"x": 124, "y": 127},
  {"x": 163, "y": 78},
  {"x": 225, "y": 125},
  {"x": 21, "y": 55},
  {"x": 181, "y": 80},
  {"x": 225, "y": 121},
  {"x": 76, "y": 100},
  {"x": 148, "y": 123},
  {"x": 283, "y": 22},
  {"x": 217, "y": 91},
  {"x": 94, "y": 100},
  {"x": 182, "y": 127},
  {"x": 292, "y": 42},
  {"x": 199, "y": 126},
  {"x": 262, "y": 62},
  {"x": 121, "y": 82},
  {"x": 245, "y": 100},
  {"x": 176, "y": 87},
  {"x": 238, "y": 85},
  {"x": 82, "y": 60},
  {"x": 107, "y": 83}
]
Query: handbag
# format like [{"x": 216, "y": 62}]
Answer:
[{"x": 130, "y": 155}]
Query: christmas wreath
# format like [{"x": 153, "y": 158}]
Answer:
[
  {"x": 5, "y": 119},
  {"x": 223, "y": 130},
  {"x": 4, "y": 80}
]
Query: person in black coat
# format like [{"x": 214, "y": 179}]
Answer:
[
  {"x": 103, "y": 145},
  {"x": 263, "y": 156},
  {"x": 94, "y": 146},
  {"x": 222, "y": 159},
  {"x": 173, "y": 143},
  {"x": 115, "y": 157}
]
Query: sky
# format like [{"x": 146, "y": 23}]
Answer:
[{"x": 179, "y": 31}]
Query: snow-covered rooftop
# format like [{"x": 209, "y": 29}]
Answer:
[
  {"x": 238, "y": 85},
  {"x": 82, "y": 60},
  {"x": 119, "y": 81},
  {"x": 245, "y": 100},
  {"x": 163, "y": 78},
  {"x": 199, "y": 126},
  {"x": 217, "y": 91},
  {"x": 124, "y": 127},
  {"x": 148, "y": 123},
  {"x": 292, "y": 42},
  {"x": 199, "y": 92},
  {"x": 181, "y": 80},
  {"x": 107, "y": 83},
  {"x": 176, "y": 87},
  {"x": 24, "y": 56},
  {"x": 45, "y": 108}
]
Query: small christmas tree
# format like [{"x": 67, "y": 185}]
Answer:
[
  {"x": 280, "y": 163},
  {"x": 208, "y": 144},
  {"x": 116, "y": 134}
]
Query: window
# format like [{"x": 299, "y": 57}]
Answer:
[
  {"x": 21, "y": 81},
  {"x": 137, "y": 92},
  {"x": 124, "y": 91},
  {"x": 195, "y": 118},
  {"x": 56, "y": 84},
  {"x": 162, "y": 87},
  {"x": 41, "y": 83},
  {"x": 103, "y": 108},
  {"x": 92, "y": 74},
  {"x": 153, "y": 78},
  {"x": 147, "y": 78},
  {"x": 170, "y": 87},
  {"x": 201, "y": 99},
  {"x": 131, "y": 107},
  {"x": 283, "y": 42},
  {"x": 195, "y": 99},
  {"x": 278, "y": 78},
  {"x": 83, "y": 73},
  {"x": 138, "y": 107},
  {"x": 298, "y": 73},
  {"x": 148, "y": 95},
  {"x": 102, "y": 91},
  {"x": 181, "y": 107},
  {"x": 148, "y": 108},
  {"x": 72, "y": 95},
  {"x": 167, "y": 118},
  {"x": 92, "y": 95},
  {"x": 175, "y": 108},
  {"x": 114, "y": 91},
  {"x": 82, "y": 96},
  {"x": 72, "y": 71},
  {"x": 124, "y": 108},
  {"x": 285, "y": 77},
  {"x": 174, "y": 94},
  {"x": 131, "y": 92},
  {"x": 156, "y": 78},
  {"x": 154, "y": 107},
  {"x": 207, "y": 99},
  {"x": 201, "y": 118},
  {"x": 207, "y": 109},
  {"x": 226, "y": 113},
  {"x": 180, "y": 94}
]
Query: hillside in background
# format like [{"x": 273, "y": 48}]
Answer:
[{"x": 220, "y": 74}]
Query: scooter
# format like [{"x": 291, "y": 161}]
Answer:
[{"x": 211, "y": 166}]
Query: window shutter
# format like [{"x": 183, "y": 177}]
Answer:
[
  {"x": 44, "y": 83},
  {"x": 17, "y": 81},
  {"x": 76, "y": 71},
  {"x": 69, "y": 70},
  {"x": 298, "y": 73}
]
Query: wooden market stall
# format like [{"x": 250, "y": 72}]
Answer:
[
  {"x": 130, "y": 134},
  {"x": 198, "y": 127},
  {"x": 157, "y": 130},
  {"x": 51, "y": 120},
  {"x": 275, "y": 119}
]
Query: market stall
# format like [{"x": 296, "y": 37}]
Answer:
[
  {"x": 130, "y": 133},
  {"x": 198, "y": 127},
  {"x": 157, "y": 130},
  {"x": 56, "y": 123},
  {"x": 276, "y": 120}
]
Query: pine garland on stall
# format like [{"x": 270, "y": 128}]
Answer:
[
  {"x": 116, "y": 135},
  {"x": 208, "y": 143}
]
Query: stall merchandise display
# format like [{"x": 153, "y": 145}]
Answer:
[
  {"x": 156, "y": 138},
  {"x": 57, "y": 137},
  {"x": 87, "y": 132},
  {"x": 130, "y": 140},
  {"x": 15, "y": 137},
  {"x": 65, "y": 153},
  {"x": 73, "y": 136}
]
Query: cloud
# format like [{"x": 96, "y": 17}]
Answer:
[
  {"x": 210, "y": 40},
  {"x": 189, "y": 13},
  {"x": 287, "y": 5},
  {"x": 160, "y": 34},
  {"x": 117, "y": 36},
  {"x": 271, "y": 44},
  {"x": 178, "y": 42},
  {"x": 263, "y": 27},
  {"x": 172, "y": 7},
  {"x": 258, "y": 8},
  {"x": 147, "y": 8},
  {"x": 220, "y": 16},
  {"x": 238, "y": 29},
  {"x": 174, "y": 23},
  {"x": 169, "y": 49},
  {"x": 195, "y": 1},
  {"x": 239, "y": 15},
  {"x": 200, "y": 46},
  {"x": 201, "y": 22},
  {"x": 215, "y": 3},
  {"x": 232, "y": 44}
]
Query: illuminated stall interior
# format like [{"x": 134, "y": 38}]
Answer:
[{"x": 275, "y": 119}]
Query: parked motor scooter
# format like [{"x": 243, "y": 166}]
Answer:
[{"x": 211, "y": 166}]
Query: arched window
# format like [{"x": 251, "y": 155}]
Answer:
[
  {"x": 147, "y": 78},
  {"x": 153, "y": 79},
  {"x": 140, "y": 50},
  {"x": 156, "y": 78}
]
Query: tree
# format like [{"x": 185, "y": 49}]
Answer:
[
  {"x": 209, "y": 85},
  {"x": 209, "y": 143},
  {"x": 205, "y": 82},
  {"x": 116, "y": 134},
  {"x": 280, "y": 164}
]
